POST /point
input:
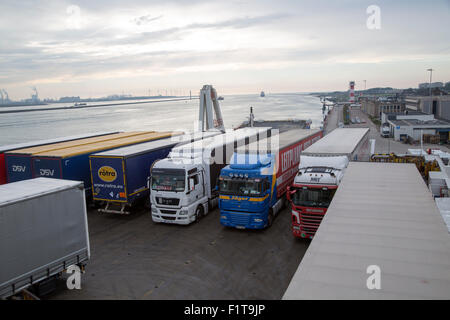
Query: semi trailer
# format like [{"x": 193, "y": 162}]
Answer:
[
  {"x": 6, "y": 148},
  {"x": 253, "y": 185},
  {"x": 73, "y": 163},
  {"x": 19, "y": 163},
  {"x": 183, "y": 186},
  {"x": 320, "y": 172},
  {"x": 120, "y": 176},
  {"x": 43, "y": 231}
]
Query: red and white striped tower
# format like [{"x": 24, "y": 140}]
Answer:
[{"x": 352, "y": 91}]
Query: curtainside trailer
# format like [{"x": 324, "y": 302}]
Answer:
[
  {"x": 11, "y": 147},
  {"x": 253, "y": 185},
  {"x": 19, "y": 164},
  {"x": 43, "y": 231},
  {"x": 73, "y": 163},
  {"x": 120, "y": 176}
]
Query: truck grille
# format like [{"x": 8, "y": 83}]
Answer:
[
  {"x": 168, "y": 211},
  {"x": 168, "y": 201},
  {"x": 239, "y": 219},
  {"x": 310, "y": 222}
]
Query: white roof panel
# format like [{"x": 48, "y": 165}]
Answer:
[
  {"x": 340, "y": 141},
  {"x": 382, "y": 214},
  {"x": 21, "y": 190}
]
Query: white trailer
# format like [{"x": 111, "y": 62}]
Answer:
[
  {"x": 382, "y": 238},
  {"x": 43, "y": 231},
  {"x": 350, "y": 142},
  {"x": 183, "y": 186},
  {"x": 321, "y": 169}
]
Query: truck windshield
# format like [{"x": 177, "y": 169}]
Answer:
[
  {"x": 313, "y": 197},
  {"x": 168, "y": 180},
  {"x": 240, "y": 187}
]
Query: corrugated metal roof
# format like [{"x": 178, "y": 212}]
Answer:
[
  {"x": 24, "y": 145},
  {"x": 104, "y": 145},
  {"x": 79, "y": 142},
  {"x": 382, "y": 214},
  {"x": 340, "y": 141}
]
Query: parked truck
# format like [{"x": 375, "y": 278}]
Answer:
[
  {"x": 252, "y": 187},
  {"x": 11, "y": 147},
  {"x": 19, "y": 162},
  {"x": 385, "y": 130},
  {"x": 43, "y": 231},
  {"x": 120, "y": 176},
  {"x": 320, "y": 171},
  {"x": 183, "y": 186}
]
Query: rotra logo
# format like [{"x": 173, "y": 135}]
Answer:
[{"x": 107, "y": 174}]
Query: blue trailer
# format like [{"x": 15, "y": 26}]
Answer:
[
  {"x": 73, "y": 163},
  {"x": 7, "y": 148},
  {"x": 120, "y": 176},
  {"x": 19, "y": 161}
]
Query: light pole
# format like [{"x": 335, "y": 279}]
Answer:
[{"x": 431, "y": 73}]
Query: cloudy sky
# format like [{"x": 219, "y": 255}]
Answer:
[{"x": 96, "y": 48}]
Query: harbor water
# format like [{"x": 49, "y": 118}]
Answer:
[{"x": 167, "y": 115}]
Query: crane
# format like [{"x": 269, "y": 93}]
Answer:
[{"x": 208, "y": 101}]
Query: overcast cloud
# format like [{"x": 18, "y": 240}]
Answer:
[{"x": 96, "y": 48}]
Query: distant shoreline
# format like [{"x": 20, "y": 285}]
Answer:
[{"x": 93, "y": 106}]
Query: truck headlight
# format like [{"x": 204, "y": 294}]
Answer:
[
  {"x": 183, "y": 212},
  {"x": 154, "y": 210},
  {"x": 223, "y": 217},
  {"x": 258, "y": 220}
]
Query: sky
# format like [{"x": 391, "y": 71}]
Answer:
[{"x": 103, "y": 47}]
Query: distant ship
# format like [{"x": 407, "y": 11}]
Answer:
[
  {"x": 262, "y": 94},
  {"x": 220, "y": 98},
  {"x": 80, "y": 104}
]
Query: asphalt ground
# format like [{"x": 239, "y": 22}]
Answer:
[{"x": 134, "y": 258}]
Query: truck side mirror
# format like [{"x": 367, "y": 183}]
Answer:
[{"x": 289, "y": 193}]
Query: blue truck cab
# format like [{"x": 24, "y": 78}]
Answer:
[
  {"x": 253, "y": 186},
  {"x": 247, "y": 192}
]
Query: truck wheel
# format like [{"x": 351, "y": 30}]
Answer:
[
  {"x": 270, "y": 218},
  {"x": 198, "y": 213}
]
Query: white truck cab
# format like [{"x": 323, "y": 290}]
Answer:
[{"x": 183, "y": 186}]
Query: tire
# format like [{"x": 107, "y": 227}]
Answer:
[
  {"x": 198, "y": 213},
  {"x": 270, "y": 218}
]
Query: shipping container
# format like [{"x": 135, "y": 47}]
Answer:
[
  {"x": 73, "y": 163},
  {"x": 11, "y": 147},
  {"x": 19, "y": 164},
  {"x": 120, "y": 176},
  {"x": 43, "y": 231}
]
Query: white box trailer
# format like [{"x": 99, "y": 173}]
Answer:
[
  {"x": 382, "y": 219},
  {"x": 350, "y": 142},
  {"x": 43, "y": 231}
]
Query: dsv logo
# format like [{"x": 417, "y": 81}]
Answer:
[
  {"x": 46, "y": 172},
  {"x": 16, "y": 168},
  {"x": 107, "y": 174}
]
